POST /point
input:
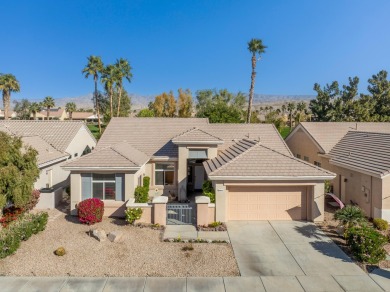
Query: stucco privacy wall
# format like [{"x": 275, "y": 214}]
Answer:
[
  {"x": 314, "y": 197},
  {"x": 58, "y": 175}
]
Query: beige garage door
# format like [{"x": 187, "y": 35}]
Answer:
[{"x": 267, "y": 203}]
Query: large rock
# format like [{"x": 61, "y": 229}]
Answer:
[
  {"x": 115, "y": 236},
  {"x": 99, "y": 234}
]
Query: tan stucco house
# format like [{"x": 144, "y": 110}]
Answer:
[
  {"x": 253, "y": 172},
  {"x": 56, "y": 142},
  {"x": 357, "y": 152}
]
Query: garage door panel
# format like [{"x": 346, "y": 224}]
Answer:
[{"x": 267, "y": 203}]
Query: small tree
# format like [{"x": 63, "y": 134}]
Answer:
[
  {"x": 18, "y": 171},
  {"x": 350, "y": 215}
]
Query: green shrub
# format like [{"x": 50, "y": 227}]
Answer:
[
  {"x": 133, "y": 214},
  {"x": 141, "y": 195},
  {"x": 366, "y": 244},
  {"x": 21, "y": 230},
  {"x": 215, "y": 224},
  {"x": 328, "y": 187},
  {"x": 208, "y": 190},
  {"x": 350, "y": 215},
  {"x": 380, "y": 224},
  {"x": 146, "y": 182}
]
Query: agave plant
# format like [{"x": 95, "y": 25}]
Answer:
[{"x": 350, "y": 216}]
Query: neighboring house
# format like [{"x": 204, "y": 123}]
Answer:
[
  {"x": 254, "y": 174},
  {"x": 56, "y": 142},
  {"x": 55, "y": 114},
  {"x": 11, "y": 114},
  {"x": 356, "y": 153},
  {"x": 87, "y": 117}
]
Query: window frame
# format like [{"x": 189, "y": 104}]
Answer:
[
  {"x": 164, "y": 171},
  {"x": 306, "y": 158},
  {"x": 104, "y": 186},
  {"x": 299, "y": 156},
  {"x": 316, "y": 163}
]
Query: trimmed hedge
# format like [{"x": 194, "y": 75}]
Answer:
[{"x": 21, "y": 230}]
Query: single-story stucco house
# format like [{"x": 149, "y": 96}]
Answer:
[
  {"x": 56, "y": 143},
  {"x": 253, "y": 172},
  {"x": 357, "y": 152}
]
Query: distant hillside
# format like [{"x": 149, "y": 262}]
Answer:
[{"x": 142, "y": 101}]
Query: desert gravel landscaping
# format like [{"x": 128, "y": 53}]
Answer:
[{"x": 140, "y": 253}]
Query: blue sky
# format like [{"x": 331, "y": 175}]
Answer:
[{"x": 193, "y": 44}]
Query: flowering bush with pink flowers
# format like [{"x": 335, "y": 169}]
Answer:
[{"x": 90, "y": 211}]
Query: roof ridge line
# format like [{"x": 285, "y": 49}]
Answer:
[{"x": 121, "y": 154}]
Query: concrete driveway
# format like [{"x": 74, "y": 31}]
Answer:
[{"x": 287, "y": 248}]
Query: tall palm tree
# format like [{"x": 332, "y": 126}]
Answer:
[
  {"x": 34, "y": 108},
  {"x": 256, "y": 47},
  {"x": 108, "y": 79},
  {"x": 48, "y": 103},
  {"x": 290, "y": 109},
  {"x": 94, "y": 68},
  {"x": 8, "y": 84},
  {"x": 70, "y": 107},
  {"x": 122, "y": 70}
]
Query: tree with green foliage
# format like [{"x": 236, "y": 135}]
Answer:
[
  {"x": 379, "y": 88},
  {"x": 256, "y": 48},
  {"x": 34, "y": 108},
  {"x": 185, "y": 103},
  {"x": 48, "y": 103},
  {"x": 220, "y": 106},
  {"x": 93, "y": 68},
  {"x": 22, "y": 109},
  {"x": 145, "y": 113},
  {"x": 105, "y": 106},
  {"x": 18, "y": 171},
  {"x": 8, "y": 84},
  {"x": 70, "y": 108},
  {"x": 322, "y": 106},
  {"x": 290, "y": 108},
  {"x": 108, "y": 79},
  {"x": 122, "y": 70}
]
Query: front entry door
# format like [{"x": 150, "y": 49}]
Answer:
[{"x": 199, "y": 177}]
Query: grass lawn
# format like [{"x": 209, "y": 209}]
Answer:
[
  {"x": 284, "y": 132},
  {"x": 94, "y": 128}
]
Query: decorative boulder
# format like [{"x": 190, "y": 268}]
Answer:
[
  {"x": 99, "y": 234},
  {"x": 115, "y": 236},
  {"x": 60, "y": 251}
]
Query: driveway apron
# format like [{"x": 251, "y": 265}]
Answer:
[{"x": 287, "y": 248}]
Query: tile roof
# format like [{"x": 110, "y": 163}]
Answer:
[
  {"x": 153, "y": 136},
  {"x": 327, "y": 134},
  {"x": 46, "y": 152},
  {"x": 83, "y": 115},
  {"x": 59, "y": 134},
  {"x": 259, "y": 161},
  {"x": 363, "y": 151},
  {"x": 119, "y": 155},
  {"x": 54, "y": 112},
  {"x": 196, "y": 135}
]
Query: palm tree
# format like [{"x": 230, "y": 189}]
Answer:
[
  {"x": 8, "y": 84},
  {"x": 122, "y": 70},
  {"x": 290, "y": 109},
  {"x": 108, "y": 79},
  {"x": 48, "y": 103},
  {"x": 94, "y": 68},
  {"x": 70, "y": 107},
  {"x": 34, "y": 108},
  {"x": 301, "y": 106},
  {"x": 283, "y": 109},
  {"x": 256, "y": 47}
]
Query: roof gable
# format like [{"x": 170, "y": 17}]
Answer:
[{"x": 196, "y": 135}]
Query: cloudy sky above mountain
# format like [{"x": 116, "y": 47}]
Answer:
[{"x": 193, "y": 44}]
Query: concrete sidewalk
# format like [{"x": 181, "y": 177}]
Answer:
[{"x": 264, "y": 283}]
